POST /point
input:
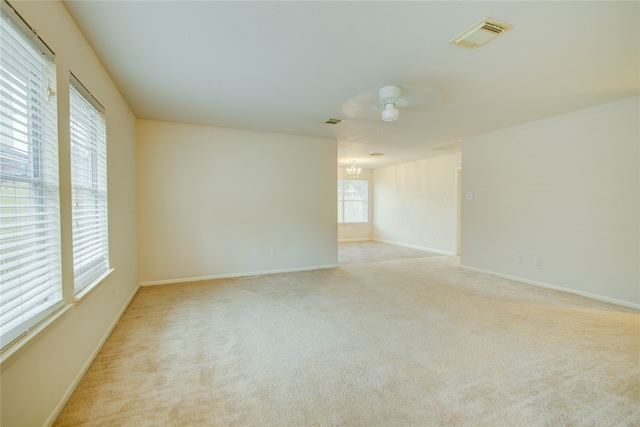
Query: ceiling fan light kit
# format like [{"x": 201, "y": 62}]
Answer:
[{"x": 390, "y": 112}]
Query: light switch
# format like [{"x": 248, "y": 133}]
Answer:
[{"x": 469, "y": 196}]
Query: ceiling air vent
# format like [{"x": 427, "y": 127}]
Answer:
[
  {"x": 376, "y": 154},
  {"x": 481, "y": 32},
  {"x": 332, "y": 121}
]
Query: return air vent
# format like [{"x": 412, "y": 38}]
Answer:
[
  {"x": 494, "y": 28},
  {"x": 481, "y": 32}
]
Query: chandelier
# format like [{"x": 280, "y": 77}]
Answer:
[{"x": 353, "y": 171}]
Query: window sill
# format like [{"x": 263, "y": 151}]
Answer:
[
  {"x": 354, "y": 223},
  {"x": 21, "y": 342},
  {"x": 93, "y": 285}
]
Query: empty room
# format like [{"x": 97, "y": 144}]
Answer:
[{"x": 300, "y": 213}]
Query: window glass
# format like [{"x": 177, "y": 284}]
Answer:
[
  {"x": 88, "y": 187},
  {"x": 352, "y": 200}
]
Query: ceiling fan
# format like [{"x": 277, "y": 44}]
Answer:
[{"x": 388, "y": 100}]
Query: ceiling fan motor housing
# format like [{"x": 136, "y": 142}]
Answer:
[{"x": 389, "y": 94}]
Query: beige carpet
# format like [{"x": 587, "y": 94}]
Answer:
[
  {"x": 418, "y": 342},
  {"x": 371, "y": 251}
]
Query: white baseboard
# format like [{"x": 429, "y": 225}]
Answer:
[
  {"x": 421, "y": 248},
  {"x": 65, "y": 398},
  {"x": 557, "y": 288},
  {"x": 232, "y": 275},
  {"x": 357, "y": 239}
]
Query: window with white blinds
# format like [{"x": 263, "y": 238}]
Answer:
[
  {"x": 30, "y": 278},
  {"x": 88, "y": 186}
]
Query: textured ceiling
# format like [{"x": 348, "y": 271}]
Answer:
[{"x": 287, "y": 66}]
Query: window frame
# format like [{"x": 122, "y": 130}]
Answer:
[
  {"x": 89, "y": 193},
  {"x": 30, "y": 254}
]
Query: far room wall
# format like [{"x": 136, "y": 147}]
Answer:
[
  {"x": 415, "y": 203},
  {"x": 210, "y": 197},
  {"x": 564, "y": 189}
]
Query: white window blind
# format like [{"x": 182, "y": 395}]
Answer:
[
  {"x": 30, "y": 278},
  {"x": 88, "y": 186},
  {"x": 352, "y": 200}
]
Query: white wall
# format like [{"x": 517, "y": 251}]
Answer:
[
  {"x": 413, "y": 202},
  {"x": 209, "y": 197},
  {"x": 565, "y": 189},
  {"x": 360, "y": 230},
  {"x": 37, "y": 379}
]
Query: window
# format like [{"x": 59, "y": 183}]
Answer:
[
  {"x": 30, "y": 278},
  {"x": 352, "y": 200},
  {"x": 88, "y": 187}
]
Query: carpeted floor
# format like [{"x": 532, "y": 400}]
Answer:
[
  {"x": 372, "y": 251},
  {"x": 411, "y": 342}
]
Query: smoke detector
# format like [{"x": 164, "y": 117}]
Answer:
[{"x": 481, "y": 32}]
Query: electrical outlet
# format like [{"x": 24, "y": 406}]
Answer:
[
  {"x": 537, "y": 261},
  {"x": 254, "y": 254},
  {"x": 433, "y": 236},
  {"x": 273, "y": 252},
  {"x": 517, "y": 258}
]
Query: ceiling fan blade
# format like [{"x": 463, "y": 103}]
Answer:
[
  {"x": 364, "y": 105},
  {"x": 420, "y": 96}
]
